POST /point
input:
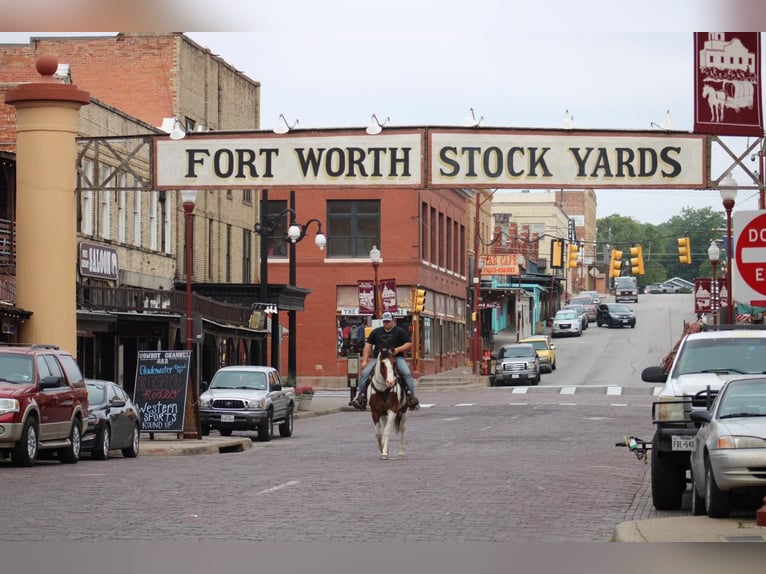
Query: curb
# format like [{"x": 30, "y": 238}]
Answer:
[{"x": 627, "y": 532}]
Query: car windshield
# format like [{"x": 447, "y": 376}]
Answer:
[
  {"x": 239, "y": 380},
  {"x": 735, "y": 355},
  {"x": 743, "y": 399},
  {"x": 516, "y": 352},
  {"x": 619, "y": 308},
  {"x": 566, "y": 315},
  {"x": 96, "y": 393},
  {"x": 16, "y": 369},
  {"x": 582, "y": 301},
  {"x": 539, "y": 345}
]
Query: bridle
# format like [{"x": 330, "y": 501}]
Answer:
[{"x": 384, "y": 372}]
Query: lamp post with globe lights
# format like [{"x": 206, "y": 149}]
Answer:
[
  {"x": 714, "y": 254},
  {"x": 375, "y": 259},
  {"x": 188, "y": 199},
  {"x": 728, "y": 189}
]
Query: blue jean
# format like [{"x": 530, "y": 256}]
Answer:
[{"x": 401, "y": 365}]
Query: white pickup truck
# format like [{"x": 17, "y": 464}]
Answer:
[{"x": 702, "y": 363}]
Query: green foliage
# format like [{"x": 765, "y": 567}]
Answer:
[{"x": 659, "y": 243}]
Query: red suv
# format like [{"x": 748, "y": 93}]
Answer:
[{"x": 43, "y": 404}]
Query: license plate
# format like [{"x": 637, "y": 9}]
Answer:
[
  {"x": 625, "y": 321},
  {"x": 230, "y": 419},
  {"x": 514, "y": 376},
  {"x": 682, "y": 442}
]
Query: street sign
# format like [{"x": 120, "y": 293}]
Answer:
[{"x": 749, "y": 272}]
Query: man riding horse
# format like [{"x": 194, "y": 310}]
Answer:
[{"x": 389, "y": 336}]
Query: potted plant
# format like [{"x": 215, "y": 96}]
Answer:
[{"x": 304, "y": 395}]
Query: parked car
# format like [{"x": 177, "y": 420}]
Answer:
[
  {"x": 247, "y": 397},
  {"x": 729, "y": 455},
  {"x": 114, "y": 422},
  {"x": 669, "y": 288},
  {"x": 653, "y": 288},
  {"x": 546, "y": 351},
  {"x": 43, "y": 404},
  {"x": 581, "y": 312},
  {"x": 587, "y": 302},
  {"x": 595, "y": 295},
  {"x": 566, "y": 322},
  {"x": 615, "y": 315},
  {"x": 516, "y": 363}
]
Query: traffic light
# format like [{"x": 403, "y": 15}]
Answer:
[
  {"x": 419, "y": 300},
  {"x": 557, "y": 253},
  {"x": 574, "y": 250},
  {"x": 637, "y": 260},
  {"x": 615, "y": 263},
  {"x": 684, "y": 251}
]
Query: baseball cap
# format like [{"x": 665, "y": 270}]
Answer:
[{"x": 387, "y": 316}]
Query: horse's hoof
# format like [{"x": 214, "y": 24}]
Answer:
[
  {"x": 383, "y": 457},
  {"x": 400, "y": 455}
]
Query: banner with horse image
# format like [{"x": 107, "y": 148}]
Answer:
[{"x": 727, "y": 83}]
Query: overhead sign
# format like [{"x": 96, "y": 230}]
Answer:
[
  {"x": 455, "y": 158},
  {"x": 749, "y": 277}
]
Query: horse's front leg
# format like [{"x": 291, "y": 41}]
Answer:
[
  {"x": 386, "y": 434},
  {"x": 378, "y": 435}
]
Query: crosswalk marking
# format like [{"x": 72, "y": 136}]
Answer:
[
  {"x": 614, "y": 390},
  {"x": 568, "y": 390}
]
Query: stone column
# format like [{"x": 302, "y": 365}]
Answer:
[{"x": 46, "y": 206}]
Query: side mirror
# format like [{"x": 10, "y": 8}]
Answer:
[
  {"x": 276, "y": 387},
  {"x": 654, "y": 374},
  {"x": 701, "y": 416},
  {"x": 203, "y": 386}
]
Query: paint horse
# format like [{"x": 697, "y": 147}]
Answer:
[{"x": 388, "y": 402}]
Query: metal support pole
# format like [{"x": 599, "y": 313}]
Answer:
[
  {"x": 292, "y": 319},
  {"x": 476, "y": 341},
  {"x": 264, "y": 291},
  {"x": 193, "y": 393},
  {"x": 728, "y": 204},
  {"x": 714, "y": 299}
]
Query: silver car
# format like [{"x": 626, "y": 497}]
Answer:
[
  {"x": 566, "y": 322},
  {"x": 729, "y": 455}
]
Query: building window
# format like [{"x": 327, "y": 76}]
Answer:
[
  {"x": 228, "y": 253},
  {"x": 106, "y": 207},
  {"x": 137, "y": 197},
  {"x": 247, "y": 196},
  {"x": 424, "y": 231},
  {"x": 433, "y": 243},
  {"x": 353, "y": 227},
  {"x": 247, "y": 242},
  {"x": 276, "y": 244},
  {"x": 153, "y": 201},
  {"x": 165, "y": 219},
  {"x": 122, "y": 199},
  {"x": 210, "y": 251}
]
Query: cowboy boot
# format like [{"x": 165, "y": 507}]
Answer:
[
  {"x": 412, "y": 401},
  {"x": 360, "y": 401}
]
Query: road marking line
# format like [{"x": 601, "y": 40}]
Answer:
[
  {"x": 568, "y": 390},
  {"x": 657, "y": 391},
  {"x": 618, "y": 405},
  {"x": 279, "y": 487},
  {"x": 614, "y": 390},
  {"x": 519, "y": 390},
  {"x": 465, "y": 404}
]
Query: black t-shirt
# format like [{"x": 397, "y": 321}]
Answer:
[{"x": 380, "y": 339}]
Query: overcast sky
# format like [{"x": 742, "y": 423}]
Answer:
[{"x": 334, "y": 63}]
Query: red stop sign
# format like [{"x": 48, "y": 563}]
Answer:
[{"x": 750, "y": 254}]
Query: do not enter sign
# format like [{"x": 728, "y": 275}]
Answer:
[{"x": 749, "y": 278}]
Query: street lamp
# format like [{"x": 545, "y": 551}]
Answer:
[
  {"x": 296, "y": 233},
  {"x": 188, "y": 198},
  {"x": 714, "y": 254},
  {"x": 728, "y": 196},
  {"x": 375, "y": 260}
]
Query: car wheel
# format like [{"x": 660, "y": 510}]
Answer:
[
  {"x": 698, "y": 502},
  {"x": 266, "y": 429},
  {"x": 71, "y": 453},
  {"x": 718, "y": 503},
  {"x": 205, "y": 430},
  {"x": 132, "y": 450},
  {"x": 668, "y": 480},
  {"x": 101, "y": 452},
  {"x": 225, "y": 432},
  {"x": 536, "y": 380},
  {"x": 286, "y": 428},
  {"x": 553, "y": 366},
  {"x": 25, "y": 451}
]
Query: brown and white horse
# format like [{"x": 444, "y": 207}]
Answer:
[{"x": 388, "y": 402}]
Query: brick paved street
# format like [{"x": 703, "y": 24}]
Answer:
[{"x": 481, "y": 465}]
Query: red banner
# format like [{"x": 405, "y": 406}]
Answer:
[
  {"x": 709, "y": 296},
  {"x": 366, "y": 291},
  {"x": 388, "y": 295},
  {"x": 727, "y": 83}
]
